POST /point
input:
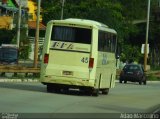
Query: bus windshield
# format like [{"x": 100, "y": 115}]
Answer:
[{"x": 71, "y": 34}]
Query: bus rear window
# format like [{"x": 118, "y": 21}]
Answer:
[{"x": 71, "y": 34}]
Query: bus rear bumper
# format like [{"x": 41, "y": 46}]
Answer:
[{"x": 67, "y": 81}]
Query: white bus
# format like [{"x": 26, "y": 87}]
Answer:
[{"x": 79, "y": 53}]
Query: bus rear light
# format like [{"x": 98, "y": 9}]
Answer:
[
  {"x": 91, "y": 62},
  {"x": 46, "y": 58}
]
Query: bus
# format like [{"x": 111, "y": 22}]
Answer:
[{"x": 79, "y": 54}]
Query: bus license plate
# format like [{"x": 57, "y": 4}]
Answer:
[{"x": 68, "y": 73}]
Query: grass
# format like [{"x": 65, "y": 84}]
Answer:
[
  {"x": 22, "y": 76},
  {"x": 155, "y": 68},
  {"x": 152, "y": 77}
]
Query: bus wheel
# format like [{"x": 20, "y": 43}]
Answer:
[
  {"x": 49, "y": 88},
  {"x": 65, "y": 89},
  {"x": 105, "y": 91},
  {"x": 120, "y": 80},
  {"x": 87, "y": 91},
  {"x": 95, "y": 92},
  {"x": 57, "y": 89}
]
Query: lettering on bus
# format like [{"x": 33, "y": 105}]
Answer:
[
  {"x": 62, "y": 45},
  {"x": 104, "y": 59},
  {"x": 85, "y": 59}
]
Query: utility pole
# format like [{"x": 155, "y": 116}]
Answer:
[
  {"x": 62, "y": 8},
  {"x": 19, "y": 24},
  {"x": 146, "y": 42},
  {"x": 37, "y": 35}
]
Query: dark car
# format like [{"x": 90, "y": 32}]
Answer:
[
  {"x": 8, "y": 55},
  {"x": 133, "y": 73}
]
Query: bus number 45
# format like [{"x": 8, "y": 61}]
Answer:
[{"x": 84, "y": 59}]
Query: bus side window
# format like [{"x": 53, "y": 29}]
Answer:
[
  {"x": 106, "y": 42},
  {"x": 0, "y": 55},
  {"x": 111, "y": 42},
  {"x": 114, "y": 43},
  {"x": 100, "y": 41}
]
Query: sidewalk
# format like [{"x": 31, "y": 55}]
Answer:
[{"x": 18, "y": 80}]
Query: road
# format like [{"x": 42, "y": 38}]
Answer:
[{"x": 33, "y": 98}]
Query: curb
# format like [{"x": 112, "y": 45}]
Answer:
[
  {"x": 117, "y": 81},
  {"x": 18, "y": 80}
]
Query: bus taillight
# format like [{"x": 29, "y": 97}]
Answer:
[
  {"x": 91, "y": 62},
  {"x": 46, "y": 58}
]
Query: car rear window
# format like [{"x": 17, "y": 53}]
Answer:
[{"x": 132, "y": 68}]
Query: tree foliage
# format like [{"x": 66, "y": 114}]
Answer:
[
  {"x": 6, "y": 39},
  {"x": 105, "y": 11},
  {"x": 117, "y": 14}
]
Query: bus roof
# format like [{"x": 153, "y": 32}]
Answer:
[{"x": 86, "y": 22}]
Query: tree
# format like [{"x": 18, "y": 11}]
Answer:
[
  {"x": 117, "y": 14},
  {"x": 105, "y": 11},
  {"x": 6, "y": 39}
]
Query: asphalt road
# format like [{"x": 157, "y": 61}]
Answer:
[{"x": 33, "y": 98}]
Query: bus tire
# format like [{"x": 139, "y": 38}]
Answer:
[
  {"x": 57, "y": 89},
  {"x": 95, "y": 92},
  {"x": 120, "y": 80},
  {"x": 66, "y": 89},
  {"x": 49, "y": 88},
  {"x": 87, "y": 91},
  {"x": 105, "y": 91}
]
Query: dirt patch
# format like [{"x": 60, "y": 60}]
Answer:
[{"x": 157, "y": 74}]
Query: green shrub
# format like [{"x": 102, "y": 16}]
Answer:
[
  {"x": 152, "y": 77},
  {"x": 154, "y": 68}
]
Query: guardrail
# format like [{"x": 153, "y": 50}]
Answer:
[
  {"x": 18, "y": 69},
  {"x": 21, "y": 67}
]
